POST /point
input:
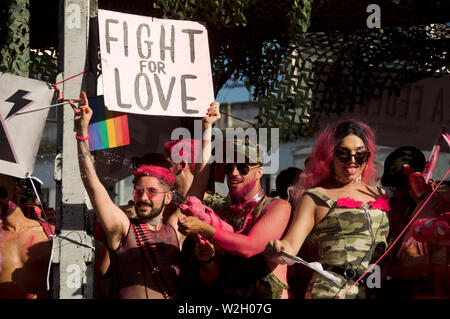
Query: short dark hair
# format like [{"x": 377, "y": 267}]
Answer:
[{"x": 286, "y": 178}]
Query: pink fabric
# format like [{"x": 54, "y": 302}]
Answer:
[
  {"x": 194, "y": 207},
  {"x": 381, "y": 203},
  {"x": 431, "y": 230},
  {"x": 184, "y": 150},
  {"x": 161, "y": 173},
  {"x": 348, "y": 202},
  {"x": 270, "y": 226}
]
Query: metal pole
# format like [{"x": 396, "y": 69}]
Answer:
[{"x": 73, "y": 255}]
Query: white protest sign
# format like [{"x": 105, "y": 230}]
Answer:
[
  {"x": 21, "y": 128},
  {"x": 414, "y": 117},
  {"x": 155, "y": 66}
]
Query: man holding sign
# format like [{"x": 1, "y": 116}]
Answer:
[{"x": 144, "y": 251}]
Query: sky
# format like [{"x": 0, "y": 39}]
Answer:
[{"x": 233, "y": 95}]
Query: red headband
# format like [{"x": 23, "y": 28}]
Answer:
[{"x": 161, "y": 173}]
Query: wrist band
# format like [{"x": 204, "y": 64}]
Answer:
[{"x": 81, "y": 138}]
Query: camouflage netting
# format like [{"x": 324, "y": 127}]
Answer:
[
  {"x": 327, "y": 72},
  {"x": 304, "y": 58},
  {"x": 15, "y": 36}
]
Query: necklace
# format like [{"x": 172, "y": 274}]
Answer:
[
  {"x": 254, "y": 199},
  {"x": 242, "y": 206},
  {"x": 156, "y": 222}
]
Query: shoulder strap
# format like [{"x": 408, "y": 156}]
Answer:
[
  {"x": 262, "y": 207},
  {"x": 154, "y": 260},
  {"x": 174, "y": 233},
  {"x": 380, "y": 191},
  {"x": 48, "y": 231},
  {"x": 321, "y": 196}
]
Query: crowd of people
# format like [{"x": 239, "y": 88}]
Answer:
[{"x": 176, "y": 239}]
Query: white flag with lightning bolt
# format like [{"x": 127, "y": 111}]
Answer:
[{"x": 20, "y": 134}]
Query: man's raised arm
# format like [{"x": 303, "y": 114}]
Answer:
[{"x": 114, "y": 222}]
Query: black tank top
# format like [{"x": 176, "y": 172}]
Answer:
[{"x": 132, "y": 276}]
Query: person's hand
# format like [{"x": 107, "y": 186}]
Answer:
[
  {"x": 273, "y": 249},
  {"x": 204, "y": 251},
  {"x": 190, "y": 226},
  {"x": 212, "y": 116},
  {"x": 82, "y": 115}
]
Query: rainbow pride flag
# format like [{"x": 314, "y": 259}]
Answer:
[{"x": 107, "y": 129}]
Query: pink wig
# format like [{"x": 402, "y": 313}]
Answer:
[
  {"x": 318, "y": 165},
  {"x": 161, "y": 173},
  {"x": 184, "y": 150}
]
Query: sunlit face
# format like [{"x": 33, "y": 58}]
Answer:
[
  {"x": 350, "y": 158},
  {"x": 239, "y": 183},
  {"x": 150, "y": 197}
]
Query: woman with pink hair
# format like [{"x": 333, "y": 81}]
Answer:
[{"x": 341, "y": 210}]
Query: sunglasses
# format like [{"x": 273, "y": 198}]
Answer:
[
  {"x": 242, "y": 168},
  {"x": 345, "y": 155},
  {"x": 150, "y": 192}
]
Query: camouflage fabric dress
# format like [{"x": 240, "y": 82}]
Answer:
[{"x": 347, "y": 238}]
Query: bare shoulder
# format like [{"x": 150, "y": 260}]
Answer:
[
  {"x": 36, "y": 229},
  {"x": 279, "y": 204}
]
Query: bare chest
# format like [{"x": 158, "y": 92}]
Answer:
[{"x": 23, "y": 250}]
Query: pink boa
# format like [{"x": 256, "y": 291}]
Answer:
[
  {"x": 380, "y": 203},
  {"x": 348, "y": 202},
  {"x": 194, "y": 207}
]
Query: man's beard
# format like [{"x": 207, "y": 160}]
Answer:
[
  {"x": 145, "y": 215},
  {"x": 239, "y": 194}
]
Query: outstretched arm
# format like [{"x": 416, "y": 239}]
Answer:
[
  {"x": 202, "y": 170},
  {"x": 198, "y": 186},
  {"x": 270, "y": 226},
  {"x": 113, "y": 220},
  {"x": 302, "y": 224}
]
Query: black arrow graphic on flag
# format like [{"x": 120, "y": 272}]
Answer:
[
  {"x": 19, "y": 102},
  {"x": 7, "y": 152}
]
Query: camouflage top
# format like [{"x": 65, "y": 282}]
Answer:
[{"x": 350, "y": 234}]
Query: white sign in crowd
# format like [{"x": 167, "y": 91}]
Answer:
[{"x": 153, "y": 66}]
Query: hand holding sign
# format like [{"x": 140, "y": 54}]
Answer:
[{"x": 212, "y": 116}]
